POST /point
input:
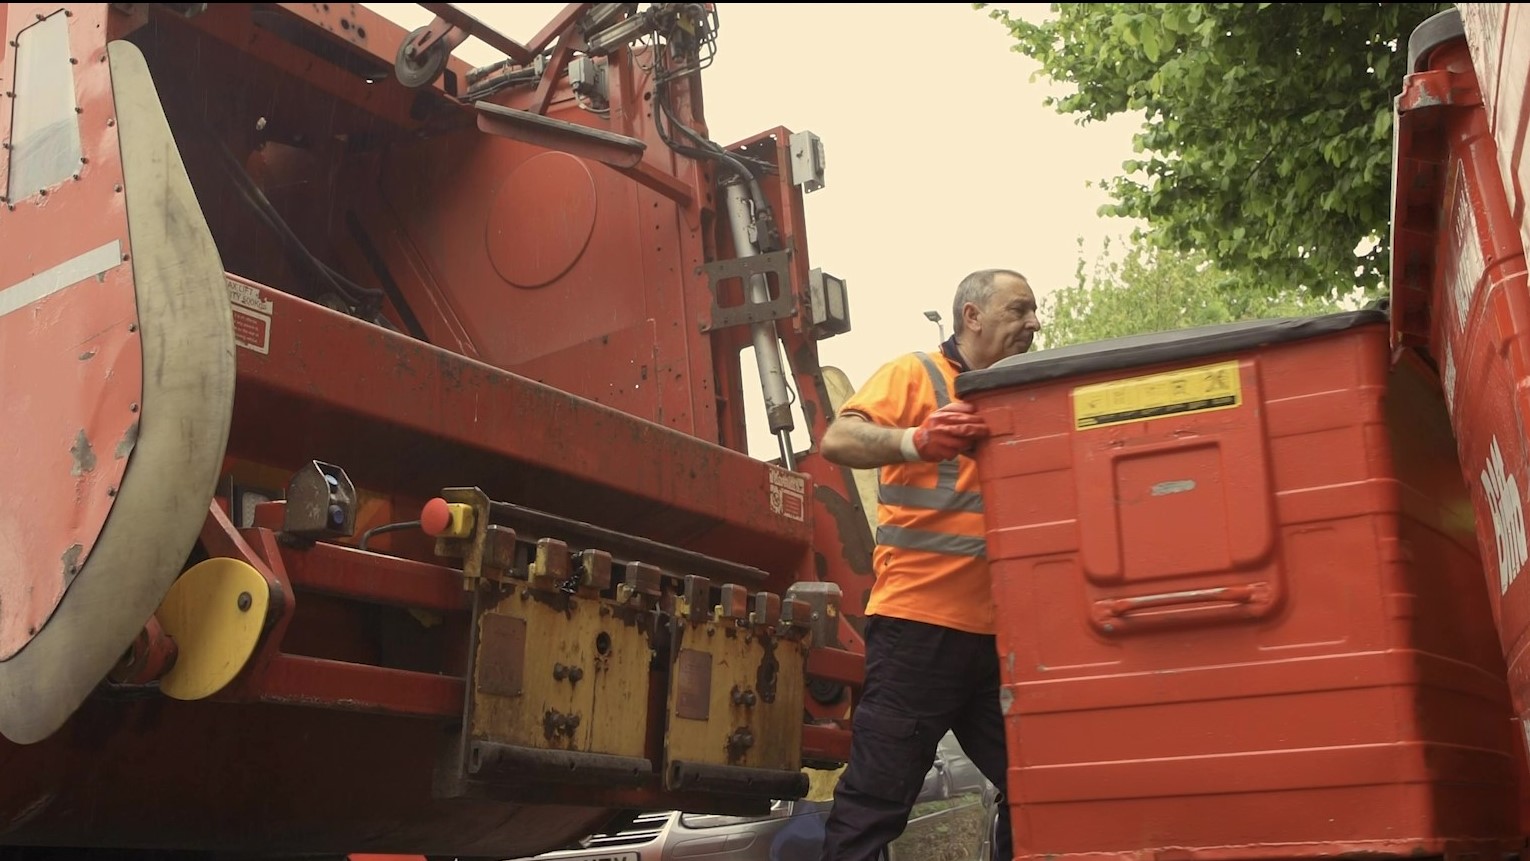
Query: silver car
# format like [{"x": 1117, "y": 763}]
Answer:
[{"x": 953, "y": 820}]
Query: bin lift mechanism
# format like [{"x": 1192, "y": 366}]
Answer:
[{"x": 600, "y": 30}]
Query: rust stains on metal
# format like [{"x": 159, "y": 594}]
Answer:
[
  {"x": 84, "y": 456},
  {"x": 626, "y": 616},
  {"x": 71, "y": 560},
  {"x": 556, "y": 724},
  {"x": 559, "y": 601},
  {"x": 768, "y": 672},
  {"x": 128, "y": 441},
  {"x": 739, "y": 743}
]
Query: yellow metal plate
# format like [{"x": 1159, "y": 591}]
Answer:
[
  {"x": 715, "y": 669},
  {"x": 556, "y": 672},
  {"x": 215, "y": 613},
  {"x": 1193, "y": 390}
]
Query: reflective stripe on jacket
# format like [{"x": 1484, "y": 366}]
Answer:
[{"x": 943, "y": 497}]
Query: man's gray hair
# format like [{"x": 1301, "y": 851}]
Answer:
[{"x": 976, "y": 288}]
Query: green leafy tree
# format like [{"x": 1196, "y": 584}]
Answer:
[
  {"x": 1148, "y": 289},
  {"x": 1267, "y": 131}
]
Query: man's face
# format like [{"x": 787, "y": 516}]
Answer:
[{"x": 1007, "y": 325}]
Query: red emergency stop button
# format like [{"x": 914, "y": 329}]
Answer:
[{"x": 442, "y": 519}]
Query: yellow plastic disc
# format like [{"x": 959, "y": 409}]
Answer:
[{"x": 215, "y": 612}]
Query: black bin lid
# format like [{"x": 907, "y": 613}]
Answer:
[{"x": 1176, "y": 345}]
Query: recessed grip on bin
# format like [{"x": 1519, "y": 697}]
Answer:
[{"x": 1113, "y": 615}]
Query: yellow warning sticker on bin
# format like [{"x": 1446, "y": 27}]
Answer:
[{"x": 1193, "y": 390}]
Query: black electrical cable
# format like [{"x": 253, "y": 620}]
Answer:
[
  {"x": 347, "y": 289},
  {"x": 709, "y": 149},
  {"x": 386, "y": 527}
]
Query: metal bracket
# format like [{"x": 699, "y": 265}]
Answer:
[
  {"x": 321, "y": 503},
  {"x": 823, "y": 600},
  {"x": 471, "y": 550},
  {"x": 782, "y": 307}
]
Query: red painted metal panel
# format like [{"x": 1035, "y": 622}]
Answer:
[
  {"x": 364, "y": 30},
  {"x": 331, "y": 569},
  {"x": 405, "y": 417},
  {"x": 69, "y": 347},
  {"x": 302, "y": 680},
  {"x": 559, "y": 359},
  {"x": 634, "y": 266}
]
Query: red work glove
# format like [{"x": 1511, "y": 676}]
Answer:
[{"x": 949, "y": 431}]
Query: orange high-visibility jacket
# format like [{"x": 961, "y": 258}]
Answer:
[{"x": 930, "y": 556}]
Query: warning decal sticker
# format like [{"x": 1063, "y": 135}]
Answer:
[
  {"x": 788, "y": 494},
  {"x": 252, "y": 317},
  {"x": 1193, "y": 390}
]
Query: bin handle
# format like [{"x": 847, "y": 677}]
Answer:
[{"x": 1237, "y": 600}]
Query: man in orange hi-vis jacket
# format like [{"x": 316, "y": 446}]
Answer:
[{"x": 931, "y": 660}]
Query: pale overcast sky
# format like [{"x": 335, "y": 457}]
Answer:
[{"x": 940, "y": 156}]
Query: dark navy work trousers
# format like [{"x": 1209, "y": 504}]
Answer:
[{"x": 921, "y": 681}]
